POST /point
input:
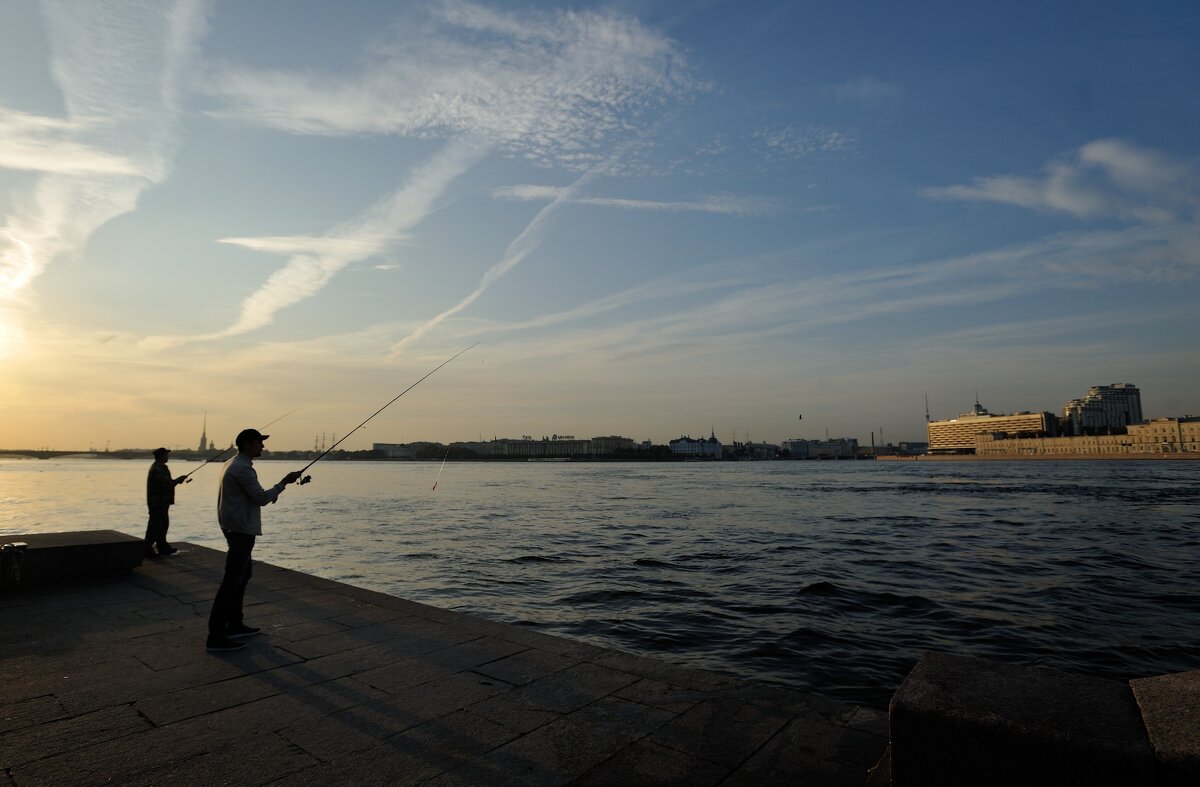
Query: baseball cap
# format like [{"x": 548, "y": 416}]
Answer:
[{"x": 249, "y": 436}]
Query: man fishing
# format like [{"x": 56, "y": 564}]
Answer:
[
  {"x": 240, "y": 499},
  {"x": 160, "y": 496}
]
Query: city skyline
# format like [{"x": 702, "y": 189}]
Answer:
[{"x": 786, "y": 221}]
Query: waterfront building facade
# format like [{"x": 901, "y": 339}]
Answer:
[
  {"x": 1105, "y": 409},
  {"x": 557, "y": 447},
  {"x": 957, "y": 435},
  {"x": 611, "y": 444},
  {"x": 837, "y": 448},
  {"x": 401, "y": 450},
  {"x": 700, "y": 448},
  {"x": 1158, "y": 436}
]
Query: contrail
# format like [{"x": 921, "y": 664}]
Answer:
[{"x": 526, "y": 242}]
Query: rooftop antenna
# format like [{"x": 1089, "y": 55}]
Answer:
[{"x": 926, "y": 408}]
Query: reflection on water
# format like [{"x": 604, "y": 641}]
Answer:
[{"x": 831, "y": 577}]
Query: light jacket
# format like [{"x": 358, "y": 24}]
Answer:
[{"x": 240, "y": 498}]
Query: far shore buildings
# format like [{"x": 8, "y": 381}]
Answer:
[
  {"x": 1103, "y": 409},
  {"x": 1157, "y": 436},
  {"x": 957, "y": 435},
  {"x": 1107, "y": 420},
  {"x": 526, "y": 447},
  {"x": 837, "y": 448},
  {"x": 698, "y": 448}
]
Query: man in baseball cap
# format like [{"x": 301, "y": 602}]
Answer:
[{"x": 240, "y": 499}]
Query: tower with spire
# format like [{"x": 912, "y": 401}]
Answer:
[{"x": 204, "y": 435}]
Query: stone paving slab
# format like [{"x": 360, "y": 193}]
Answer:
[
  {"x": 107, "y": 681},
  {"x": 1170, "y": 706}
]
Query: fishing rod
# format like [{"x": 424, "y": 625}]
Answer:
[
  {"x": 306, "y": 478},
  {"x": 216, "y": 456}
]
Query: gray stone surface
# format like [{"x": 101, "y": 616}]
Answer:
[
  {"x": 959, "y": 720},
  {"x": 1170, "y": 706},
  {"x": 109, "y": 682}
]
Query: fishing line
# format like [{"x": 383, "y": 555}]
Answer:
[
  {"x": 440, "y": 469},
  {"x": 307, "y": 478},
  {"x": 224, "y": 451}
]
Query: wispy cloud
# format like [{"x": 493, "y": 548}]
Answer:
[
  {"x": 316, "y": 260},
  {"x": 1108, "y": 178},
  {"x": 522, "y": 246},
  {"x": 867, "y": 90},
  {"x": 722, "y": 204},
  {"x": 344, "y": 247},
  {"x": 679, "y": 320},
  {"x": 551, "y": 87},
  {"x": 798, "y": 142},
  {"x": 120, "y": 67},
  {"x": 39, "y": 143}
]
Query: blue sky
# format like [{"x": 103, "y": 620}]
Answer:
[{"x": 656, "y": 218}]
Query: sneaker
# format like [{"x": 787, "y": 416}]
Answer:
[
  {"x": 218, "y": 644},
  {"x": 150, "y": 551},
  {"x": 166, "y": 549},
  {"x": 240, "y": 631}
]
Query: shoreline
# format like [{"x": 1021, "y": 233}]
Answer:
[{"x": 1040, "y": 457}]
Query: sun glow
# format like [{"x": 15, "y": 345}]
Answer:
[{"x": 10, "y": 335}]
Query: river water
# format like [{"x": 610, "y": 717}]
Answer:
[{"x": 830, "y": 577}]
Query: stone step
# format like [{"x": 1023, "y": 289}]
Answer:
[{"x": 50, "y": 557}]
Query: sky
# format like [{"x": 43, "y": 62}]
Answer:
[{"x": 764, "y": 221}]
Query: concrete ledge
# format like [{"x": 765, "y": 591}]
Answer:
[
  {"x": 957, "y": 720},
  {"x": 51, "y": 557},
  {"x": 1170, "y": 706}
]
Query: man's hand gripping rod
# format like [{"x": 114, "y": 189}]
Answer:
[{"x": 306, "y": 478}]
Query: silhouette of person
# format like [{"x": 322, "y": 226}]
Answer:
[
  {"x": 160, "y": 496},
  {"x": 240, "y": 499}
]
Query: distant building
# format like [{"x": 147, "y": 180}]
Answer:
[
  {"x": 1159, "y": 436},
  {"x": 400, "y": 450},
  {"x": 507, "y": 447},
  {"x": 957, "y": 435},
  {"x": 701, "y": 448},
  {"x": 612, "y": 444},
  {"x": 763, "y": 450},
  {"x": 837, "y": 448},
  {"x": 558, "y": 446},
  {"x": 1105, "y": 409}
]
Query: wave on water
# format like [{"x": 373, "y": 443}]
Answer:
[{"x": 646, "y": 562}]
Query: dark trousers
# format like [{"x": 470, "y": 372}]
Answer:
[
  {"x": 227, "y": 606},
  {"x": 157, "y": 524}
]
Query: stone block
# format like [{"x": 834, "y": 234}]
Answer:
[
  {"x": 1170, "y": 707},
  {"x": 51, "y": 557},
  {"x": 957, "y": 720}
]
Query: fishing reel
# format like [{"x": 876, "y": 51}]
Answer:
[{"x": 304, "y": 480}]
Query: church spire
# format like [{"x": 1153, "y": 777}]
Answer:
[{"x": 204, "y": 435}]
